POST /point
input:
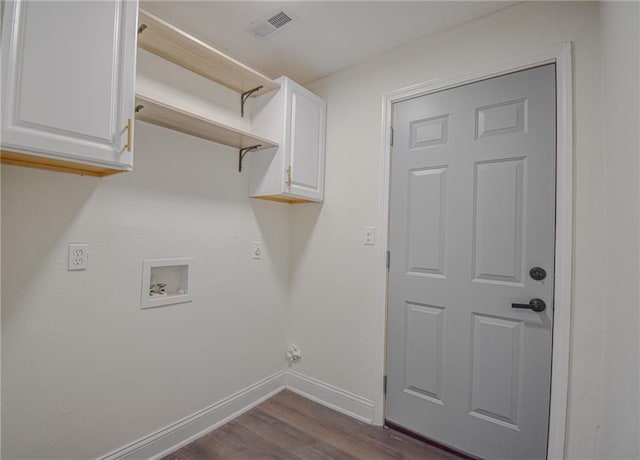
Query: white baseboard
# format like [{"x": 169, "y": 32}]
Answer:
[
  {"x": 181, "y": 433},
  {"x": 328, "y": 395}
]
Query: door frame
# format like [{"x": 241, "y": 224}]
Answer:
[{"x": 561, "y": 56}]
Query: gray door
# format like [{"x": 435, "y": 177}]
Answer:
[{"x": 472, "y": 212}]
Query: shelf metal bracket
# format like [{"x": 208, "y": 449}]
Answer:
[
  {"x": 243, "y": 152},
  {"x": 244, "y": 96}
]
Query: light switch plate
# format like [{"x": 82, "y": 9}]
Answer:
[
  {"x": 369, "y": 236},
  {"x": 256, "y": 250}
]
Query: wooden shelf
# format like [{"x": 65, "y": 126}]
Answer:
[
  {"x": 167, "y": 116},
  {"x": 173, "y": 44}
]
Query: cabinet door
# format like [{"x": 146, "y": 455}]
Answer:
[
  {"x": 68, "y": 80},
  {"x": 305, "y": 152}
]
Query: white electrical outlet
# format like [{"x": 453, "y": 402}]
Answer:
[
  {"x": 369, "y": 236},
  {"x": 256, "y": 250},
  {"x": 78, "y": 256}
]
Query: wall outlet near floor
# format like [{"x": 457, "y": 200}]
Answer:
[{"x": 78, "y": 258}]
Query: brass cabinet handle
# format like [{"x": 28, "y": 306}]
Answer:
[
  {"x": 128, "y": 146},
  {"x": 288, "y": 176}
]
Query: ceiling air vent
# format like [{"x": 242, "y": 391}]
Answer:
[{"x": 270, "y": 23}]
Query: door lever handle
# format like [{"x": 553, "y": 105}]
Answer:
[{"x": 536, "y": 305}]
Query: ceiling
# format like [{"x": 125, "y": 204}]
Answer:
[{"x": 328, "y": 35}]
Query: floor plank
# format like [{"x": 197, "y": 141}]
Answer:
[
  {"x": 288, "y": 426},
  {"x": 297, "y": 443}
]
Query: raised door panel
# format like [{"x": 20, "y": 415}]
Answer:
[
  {"x": 423, "y": 351},
  {"x": 498, "y": 221},
  {"x": 68, "y": 74},
  {"x": 306, "y": 143},
  {"x": 495, "y": 369},
  {"x": 425, "y": 248}
]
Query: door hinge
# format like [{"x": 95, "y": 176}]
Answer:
[
  {"x": 388, "y": 260},
  {"x": 391, "y": 140},
  {"x": 384, "y": 385}
]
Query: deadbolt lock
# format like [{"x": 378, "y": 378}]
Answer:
[{"x": 538, "y": 273}]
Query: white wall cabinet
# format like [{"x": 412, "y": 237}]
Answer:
[
  {"x": 68, "y": 76},
  {"x": 296, "y": 118}
]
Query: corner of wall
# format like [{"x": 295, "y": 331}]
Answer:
[{"x": 619, "y": 392}]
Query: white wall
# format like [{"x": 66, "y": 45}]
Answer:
[
  {"x": 85, "y": 370},
  {"x": 1, "y": 399},
  {"x": 159, "y": 79},
  {"x": 334, "y": 309},
  {"x": 620, "y": 45}
]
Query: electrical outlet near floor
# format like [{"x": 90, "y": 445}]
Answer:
[{"x": 78, "y": 256}]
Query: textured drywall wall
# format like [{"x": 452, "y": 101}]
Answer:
[
  {"x": 85, "y": 371},
  {"x": 335, "y": 314},
  {"x": 80, "y": 358},
  {"x": 620, "y": 45}
]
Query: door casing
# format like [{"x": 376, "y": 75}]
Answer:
[{"x": 561, "y": 55}]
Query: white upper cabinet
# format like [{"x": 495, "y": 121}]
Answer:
[
  {"x": 68, "y": 73},
  {"x": 296, "y": 118}
]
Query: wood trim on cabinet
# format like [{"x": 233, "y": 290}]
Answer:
[
  {"x": 72, "y": 167},
  {"x": 283, "y": 199}
]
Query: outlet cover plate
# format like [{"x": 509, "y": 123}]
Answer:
[
  {"x": 78, "y": 256},
  {"x": 369, "y": 236},
  {"x": 256, "y": 250}
]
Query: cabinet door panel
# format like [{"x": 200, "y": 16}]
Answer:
[
  {"x": 306, "y": 154},
  {"x": 68, "y": 79},
  {"x": 294, "y": 172}
]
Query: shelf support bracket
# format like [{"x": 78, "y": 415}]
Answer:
[
  {"x": 244, "y": 96},
  {"x": 243, "y": 152}
]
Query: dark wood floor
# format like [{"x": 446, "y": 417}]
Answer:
[{"x": 288, "y": 426}]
